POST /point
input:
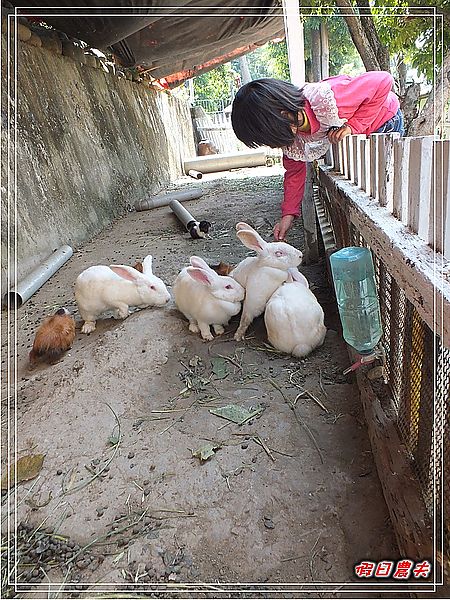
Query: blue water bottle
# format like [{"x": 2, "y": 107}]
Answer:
[{"x": 356, "y": 294}]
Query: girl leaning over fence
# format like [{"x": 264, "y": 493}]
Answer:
[{"x": 304, "y": 121}]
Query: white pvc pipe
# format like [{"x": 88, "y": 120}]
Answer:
[
  {"x": 224, "y": 162},
  {"x": 165, "y": 199},
  {"x": 32, "y": 282},
  {"x": 183, "y": 215}
]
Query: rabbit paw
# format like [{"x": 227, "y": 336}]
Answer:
[
  {"x": 121, "y": 313},
  {"x": 88, "y": 327},
  {"x": 205, "y": 332},
  {"x": 194, "y": 328},
  {"x": 218, "y": 329},
  {"x": 239, "y": 335}
]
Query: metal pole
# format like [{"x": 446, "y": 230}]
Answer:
[{"x": 294, "y": 41}]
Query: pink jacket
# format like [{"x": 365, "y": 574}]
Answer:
[{"x": 364, "y": 103}]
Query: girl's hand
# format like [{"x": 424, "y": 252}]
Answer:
[
  {"x": 335, "y": 135},
  {"x": 280, "y": 230}
]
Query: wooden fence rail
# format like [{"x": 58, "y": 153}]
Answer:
[{"x": 408, "y": 176}]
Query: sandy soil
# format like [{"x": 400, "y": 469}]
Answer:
[{"x": 289, "y": 497}]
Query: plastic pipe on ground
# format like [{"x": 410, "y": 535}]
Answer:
[
  {"x": 195, "y": 174},
  {"x": 32, "y": 282},
  {"x": 182, "y": 214},
  {"x": 165, "y": 199},
  {"x": 224, "y": 162}
]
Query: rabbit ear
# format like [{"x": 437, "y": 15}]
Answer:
[
  {"x": 147, "y": 265},
  {"x": 200, "y": 275},
  {"x": 199, "y": 263},
  {"x": 252, "y": 240},
  {"x": 126, "y": 272},
  {"x": 241, "y": 225},
  {"x": 295, "y": 275}
]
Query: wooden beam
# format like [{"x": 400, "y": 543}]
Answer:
[{"x": 408, "y": 258}]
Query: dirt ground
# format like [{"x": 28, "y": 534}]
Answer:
[{"x": 290, "y": 497}]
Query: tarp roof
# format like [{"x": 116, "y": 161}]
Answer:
[{"x": 175, "y": 42}]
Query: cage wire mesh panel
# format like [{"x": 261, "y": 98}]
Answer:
[{"x": 418, "y": 369}]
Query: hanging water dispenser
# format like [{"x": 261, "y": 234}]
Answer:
[{"x": 357, "y": 299}]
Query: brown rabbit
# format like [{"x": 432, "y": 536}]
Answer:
[
  {"x": 54, "y": 337},
  {"x": 222, "y": 268}
]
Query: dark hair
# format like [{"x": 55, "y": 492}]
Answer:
[{"x": 256, "y": 115}]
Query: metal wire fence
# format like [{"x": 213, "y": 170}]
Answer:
[{"x": 418, "y": 370}]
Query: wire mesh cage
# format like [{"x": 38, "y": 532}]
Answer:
[{"x": 418, "y": 373}]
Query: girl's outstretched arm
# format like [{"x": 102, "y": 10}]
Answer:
[{"x": 294, "y": 187}]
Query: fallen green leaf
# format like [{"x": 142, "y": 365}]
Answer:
[
  {"x": 114, "y": 437},
  {"x": 219, "y": 367},
  {"x": 28, "y": 467},
  {"x": 206, "y": 451},
  {"x": 237, "y": 414}
]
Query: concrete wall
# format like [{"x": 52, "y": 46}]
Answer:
[{"x": 89, "y": 146}]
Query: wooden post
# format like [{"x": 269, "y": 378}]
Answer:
[
  {"x": 365, "y": 164},
  {"x": 335, "y": 152},
  {"x": 386, "y": 169},
  {"x": 400, "y": 186},
  {"x": 374, "y": 165},
  {"x": 349, "y": 160},
  {"x": 293, "y": 27},
  {"x": 328, "y": 158},
  {"x": 311, "y": 254},
  {"x": 344, "y": 166},
  {"x": 440, "y": 205},
  {"x": 325, "y": 50},
  {"x": 357, "y": 168},
  {"x": 341, "y": 151},
  {"x": 419, "y": 188}
]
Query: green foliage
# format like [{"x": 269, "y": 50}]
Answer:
[
  {"x": 275, "y": 58},
  {"x": 343, "y": 55},
  {"x": 271, "y": 60},
  {"x": 409, "y": 32},
  {"x": 217, "y": 84}
]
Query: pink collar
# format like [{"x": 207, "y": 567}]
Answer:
[{"x": 314, "y": 123}]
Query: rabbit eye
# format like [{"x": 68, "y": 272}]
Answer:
[
  {"x": 279, "y": 253},
  {"x": 228, "y": 287},
  {"x": 152, "y": 287}
]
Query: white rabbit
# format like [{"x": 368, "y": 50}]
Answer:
[
  {"x": 261, "y": 275},
  {"x": 294, "y": 318},
  {"x": 102, "y": 288},
  {"x": 206, "y": 298}
]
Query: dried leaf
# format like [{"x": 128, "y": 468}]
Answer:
[
  {"x": 28, "y": 467},
  {"x": 205, "y": 452},
  {"x": 118, "y": 557},
  {"x": 219, "y": 367},
  {"x": 195, "y": 361},
  {"x": 237, "y": 414}
]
